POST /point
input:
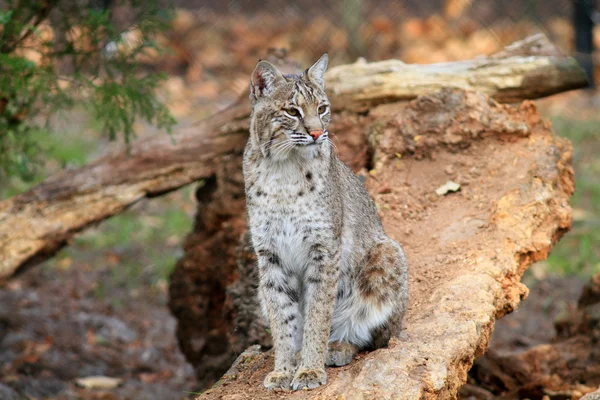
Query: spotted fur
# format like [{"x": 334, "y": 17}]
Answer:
[{"x": 328, "y": 273}]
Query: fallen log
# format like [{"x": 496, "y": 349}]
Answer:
[
  {"x": 467, "y": 250},
  {"x": 36, "y": 224},
  {"x": 514, "y": 74}
]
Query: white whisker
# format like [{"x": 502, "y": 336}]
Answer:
[
  {"x": 336, "y": 138},
  {"x": 283, "y": 147},
  {"x": 331, "y": 144},
  {"x": 289, "y": 149},
  {"x": 279, "y": 145},
  {"x": 263, "y": 146}
]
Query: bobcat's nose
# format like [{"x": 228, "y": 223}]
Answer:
[{"x": 315, "y": 134}]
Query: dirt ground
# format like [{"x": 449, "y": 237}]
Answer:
[{"x": 54, "y": 329}]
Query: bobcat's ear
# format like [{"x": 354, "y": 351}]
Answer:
[
  {"x": 316, "y": 71},
  {"x": 265, "y": 78}
]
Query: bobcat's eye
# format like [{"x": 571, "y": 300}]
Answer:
[
  {"x": 292, "y": 111},
  {"x": 322, "y": 109}
]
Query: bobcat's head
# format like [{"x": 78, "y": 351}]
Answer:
[{"x": 290, "y": 113}]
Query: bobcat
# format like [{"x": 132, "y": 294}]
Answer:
[{"x": 330, "y": 278}]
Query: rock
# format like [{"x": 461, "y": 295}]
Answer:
[
  {"x": 98, "y": 382},
  {"x": 447, "y": 187}
]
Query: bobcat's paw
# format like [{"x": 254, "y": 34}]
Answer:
[
  {"x": 278, "y": 380},
  {"x": 309, "y": 378},
  {"x": 340, "y": 354}
]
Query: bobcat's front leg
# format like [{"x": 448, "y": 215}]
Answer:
[
  {"x": 282, "y": 304},
  {"x": 320, "y": 292}
]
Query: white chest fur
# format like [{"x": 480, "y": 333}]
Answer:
[{"x": 286, "y": 209}]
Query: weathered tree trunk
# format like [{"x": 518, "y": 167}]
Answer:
[
  {"x": 36, "y": 224},
  {"x": 466, "y": 250}
]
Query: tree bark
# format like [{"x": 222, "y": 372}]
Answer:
[{"x": 36, "y": 224}]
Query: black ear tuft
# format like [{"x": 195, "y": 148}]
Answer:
[{"x": 265, "y": 78}]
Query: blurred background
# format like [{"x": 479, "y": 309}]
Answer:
[{"x": 99, "y": 306}]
